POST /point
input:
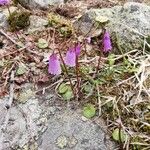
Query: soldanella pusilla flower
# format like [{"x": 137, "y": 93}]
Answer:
[{"x": 54, "y": 67}]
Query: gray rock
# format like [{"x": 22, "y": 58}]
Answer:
[
  {"x": 32, "y": 126},
  {"x": 4, "y": 15},
  {"x": 3, "y": 19},
  {"x": 22, "y": 126},
  {"x": 37, "y": 23},
  {"x": 66, "y": 130},
  {"x": 42, "y": 4},
  {"x": 130, "y": 23}
]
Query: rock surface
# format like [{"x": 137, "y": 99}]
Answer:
[
  {"x": 42, "y": 4},
  {"x": 44, "y": 123},
  {"x": 130, "y": 23},
  {"x": 3, "y": 19},
  {"x": 4, "y": 15},
  {"x": 37, "y": 23},
  {"x": 70, "y": 132}
]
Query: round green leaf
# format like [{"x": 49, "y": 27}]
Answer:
[
  {"x": 68, "y": 95},
  {"x": 42, "y": 43},
  {"x": 62, "y": 88},
  {"x": 89, "y": 111},
  {"x": 117, "y": 137}
]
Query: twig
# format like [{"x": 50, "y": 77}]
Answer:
[
  {"x": 50, "y": 86},
  {"x": 23, "y": 47},
  {"x": 19, "y": 50},
  {"x": 8, "y": 37},
  {"x": 99, "y": 100}
]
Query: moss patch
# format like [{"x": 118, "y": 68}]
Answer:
[{"x": 19, "y": 20}]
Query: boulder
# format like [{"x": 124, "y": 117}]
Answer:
[
  {"x": 41, "y": 4},
  {"x": 128, "y": 24}
]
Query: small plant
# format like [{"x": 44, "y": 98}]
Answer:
[
  {"x": 18, "y": 20},
  {"x": 89, "y": 111}
]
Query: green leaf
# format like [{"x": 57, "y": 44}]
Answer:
[
  {"x": 62, "y": 88},
  {"x": 111, "y": 59},
  {"x": 118, "y": 137},
  {"x": 21, "y": 69},
  {"x": 42, "y": 43},
  {"x": 89, "y": 111},
  {"x": 68, "y": 95}
]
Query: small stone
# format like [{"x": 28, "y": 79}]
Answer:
[{"x": 84, "y": 119}]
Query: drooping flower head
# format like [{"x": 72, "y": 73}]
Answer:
[
  {"x": 107, "y": 42},
  {"x": 78, "y": 49},
  {"x": 4, "y": 2},
  {"x": 70, "y": 59},
  {"x": 54, "y": 65}
]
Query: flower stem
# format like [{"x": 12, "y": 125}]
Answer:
[
  {"x": 97, "y": 68},
  {"x": 77, "y": 75},
  {"x": 8, "y": 10},
  {"x": 66, "y": 72}
]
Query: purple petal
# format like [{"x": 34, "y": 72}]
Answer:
[
  {"x": 78, "y": 49},
  {"x": 4, "y": 2},
  {"x": 54, "y": 65},
  {"x": 107, "y": 42},
  {"x": 70, "y": 59}
]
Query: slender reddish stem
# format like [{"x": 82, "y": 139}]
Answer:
[
  {"x": 66, "y": 72},
  {"x": 77, "y": 75},
  {"x": 98, "y": 65}
]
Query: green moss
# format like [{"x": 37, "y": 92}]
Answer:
[
  {"x": 63, "y": 25},
  {"x": 18, "y": 20}
]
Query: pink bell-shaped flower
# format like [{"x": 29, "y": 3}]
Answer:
[
  {"x": 107, "y": 46},
  {"x": 70, "y": 59},
  {"x": 54, "y": 65},
  {"x": 4, "y": 2}
]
